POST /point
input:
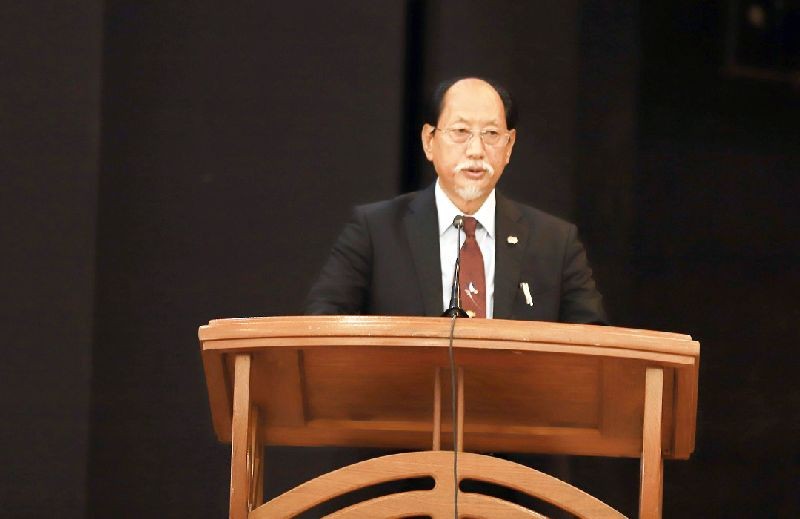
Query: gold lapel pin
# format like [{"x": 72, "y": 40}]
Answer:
[{"x": 512, "y": 240}]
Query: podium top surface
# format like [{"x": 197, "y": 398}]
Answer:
[
  {"x": 529, "y": 386},
  {"x": 417, "y": 331}
]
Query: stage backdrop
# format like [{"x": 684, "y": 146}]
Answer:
[{"x": 167, "y": 163}]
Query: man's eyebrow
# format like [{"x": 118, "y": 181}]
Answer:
[{"x": 461, "y": 119}]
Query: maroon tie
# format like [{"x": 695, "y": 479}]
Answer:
[{"x": 472, "y": 278}]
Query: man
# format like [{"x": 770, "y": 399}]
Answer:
[{"x": 397, "y": 257}]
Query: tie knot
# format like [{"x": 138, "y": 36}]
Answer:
[{"x": 470, "y": 223}]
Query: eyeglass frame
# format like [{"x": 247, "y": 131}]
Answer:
[{"x": 482, "y": 133}]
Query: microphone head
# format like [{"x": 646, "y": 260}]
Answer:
[{"x": 458, "y": 222}]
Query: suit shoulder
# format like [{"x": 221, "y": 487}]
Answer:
[
  {"x": 392, "y": 210},
  {"x": 399, "y": 202}
]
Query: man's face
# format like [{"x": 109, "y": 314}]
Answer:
[{"x": 468, "y": 171}]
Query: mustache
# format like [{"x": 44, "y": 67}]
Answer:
[{"x": 474, "y": 164}]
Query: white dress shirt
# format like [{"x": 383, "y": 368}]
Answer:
[{"x": 484, "y": 234}]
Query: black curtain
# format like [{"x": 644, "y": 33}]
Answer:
[{"x": 167, "y": 163}]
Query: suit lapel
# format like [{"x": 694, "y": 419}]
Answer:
[
  {"x": 508, "y": 255},
  {"x": 422, "y": 229}
]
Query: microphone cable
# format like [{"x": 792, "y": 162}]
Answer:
[
  {"x": 455, "y": 418},
  {"x": 455, "y": 311}
]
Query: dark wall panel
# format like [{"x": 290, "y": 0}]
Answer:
[
  {"x": 716, "y": 256},
  {"x": 532, "y": 47},
  {"x": 49, "y": 117},
  {"x": 235, "y": 140},
  {"x": 605, "y": 147}
]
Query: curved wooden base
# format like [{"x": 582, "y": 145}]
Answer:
[{"x": 437, "y": 502}]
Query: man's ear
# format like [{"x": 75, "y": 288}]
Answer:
[
  {"x": 427, "y": 140},
  {"x": 512, "y": 138}
]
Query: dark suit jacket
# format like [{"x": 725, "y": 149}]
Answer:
[{"x": 386, "y": 262}]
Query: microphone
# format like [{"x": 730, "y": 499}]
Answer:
[{"x": 455, "y": 309}]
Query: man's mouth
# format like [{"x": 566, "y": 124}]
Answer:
[{"x": 473, "y": 173}]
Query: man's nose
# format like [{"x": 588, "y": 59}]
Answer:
[{"x": 475, "y": 146}]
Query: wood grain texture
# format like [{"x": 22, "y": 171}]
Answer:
[
  {"x": 432, "y": 328},
  {"x": 522, "y": 387},
  {"x": 528, "y": 386},
  {"x": 438, "y": 502},
  {"x": 437, "y": 410},
  {"x": 255, "y": 461},
  {"x": 241, "y": 469},
  {"x": 652, "y": 463},
  {"x": 460, "y": 410}
]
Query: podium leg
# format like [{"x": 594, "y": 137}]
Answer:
[
  {"x": 255, "y": 463},
  {"x": 652, "y": 470},
  {"x": 437, "y": 409},
  {"x": 242, "y": 415},
  {"x": 460, "y": 409},
  {"x": 258, "y": 499}
]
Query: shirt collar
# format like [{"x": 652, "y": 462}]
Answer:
[{"x": 447, "y": 211}]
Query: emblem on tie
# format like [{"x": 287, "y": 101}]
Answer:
[{"x": 471, "y": 292}]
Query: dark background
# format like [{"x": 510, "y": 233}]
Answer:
[{"x": 165, "y": 163}]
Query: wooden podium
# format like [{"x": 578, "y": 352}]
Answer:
[{"x": 384, "y": 382}]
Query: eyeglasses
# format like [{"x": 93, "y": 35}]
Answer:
[{"x": 489, "y": 136}]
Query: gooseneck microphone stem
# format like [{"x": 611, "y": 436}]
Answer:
[{"x": 455, "y": 310}]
